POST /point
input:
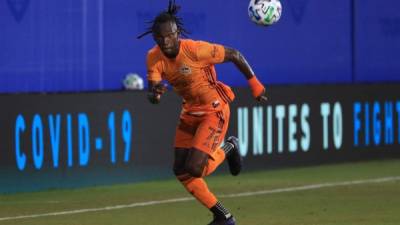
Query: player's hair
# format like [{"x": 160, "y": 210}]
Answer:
[{"x": 168, "y": 15}]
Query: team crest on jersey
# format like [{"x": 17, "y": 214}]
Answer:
[{"x": 185, "y": 70}]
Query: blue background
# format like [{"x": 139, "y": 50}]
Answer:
[{"x": 90, "y": 45}]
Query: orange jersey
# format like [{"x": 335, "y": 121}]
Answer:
[{"x": 192, "y": 74}]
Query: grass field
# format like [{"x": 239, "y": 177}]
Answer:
[{"x": 344, "y": 194}]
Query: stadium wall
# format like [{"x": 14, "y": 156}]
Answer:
[
  {"x": 53, "y": 46},
  {"x": 74, "y": 140}
]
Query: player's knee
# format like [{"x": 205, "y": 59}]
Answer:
[
  {"x": 194, "y": 170},
  {"x": 178, "y": 170}
]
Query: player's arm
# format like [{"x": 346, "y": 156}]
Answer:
[
  {"x": 155, "y": 90},
  {"x": 155, "y": 86},
  {"x": 257, "y": 88}
]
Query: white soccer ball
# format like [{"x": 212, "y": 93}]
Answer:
[
  {"x": 133, "y": 81},
  {"x": 265, "y": 12}
]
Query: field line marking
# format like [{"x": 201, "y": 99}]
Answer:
[
  {"x": 310, "y": 187},
  {"x": 174, "y": 200}
]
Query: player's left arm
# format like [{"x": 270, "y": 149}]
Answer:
[{"x": 257, "y": 88}]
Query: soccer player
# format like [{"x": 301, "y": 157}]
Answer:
[{"x": 188, "y": 66}]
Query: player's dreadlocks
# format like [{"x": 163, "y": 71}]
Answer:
[{"x": 166, "y": 16}]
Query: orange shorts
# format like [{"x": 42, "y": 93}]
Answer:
[{"x": 203, "y": 132}]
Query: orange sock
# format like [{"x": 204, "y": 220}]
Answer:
[
  {"x": 197, "y": 186},
  {"x": 215, "y": 160},
  {"x": 199, "y": 189}
]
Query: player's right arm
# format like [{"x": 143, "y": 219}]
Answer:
[{"x": 154, "y": 78}]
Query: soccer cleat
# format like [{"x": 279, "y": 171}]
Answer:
[
  {"x": 230, "y": 221},
  {"x": 234, "y": 158}
]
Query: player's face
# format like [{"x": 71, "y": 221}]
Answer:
[{"x": 167, "y": 38}]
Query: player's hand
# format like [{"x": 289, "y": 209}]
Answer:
[
  {"x": 262, "y": 98},
  {"x": 154, "y": 94},
  {"x": 159, "y": 89},
  {"x": 153, "y": 97}
]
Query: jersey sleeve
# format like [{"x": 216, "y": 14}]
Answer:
[
  {"x": 154, "y": 69},
  {"x": 210, "y": 53}
]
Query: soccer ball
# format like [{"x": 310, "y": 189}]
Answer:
[
  {"x": 265, "y": 12},
  {"x": 133, "y": 81}
]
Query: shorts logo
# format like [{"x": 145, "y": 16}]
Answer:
[
  {"x": 185, "y": 70},
  {"x": 18, "y": 8}
]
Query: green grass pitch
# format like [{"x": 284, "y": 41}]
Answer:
[{"x": 272, "y": 198}]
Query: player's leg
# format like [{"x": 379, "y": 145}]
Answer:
[
  {"x": 231, "y": 149},
  {"x": 186, "y": 131},
  {"x": 206, "y": 142},
  {"x": 196, "y": 186},
  {"x": 196, "y": 162},
  {"x": 214, "y": 160},
  {"x": 180, "y": 155},
  {"x": 186, "y": 174},
  {"x": 191, "y": 164},
  {"x": 209, "y": 135},
  {"x": 231, "y": 146}
]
